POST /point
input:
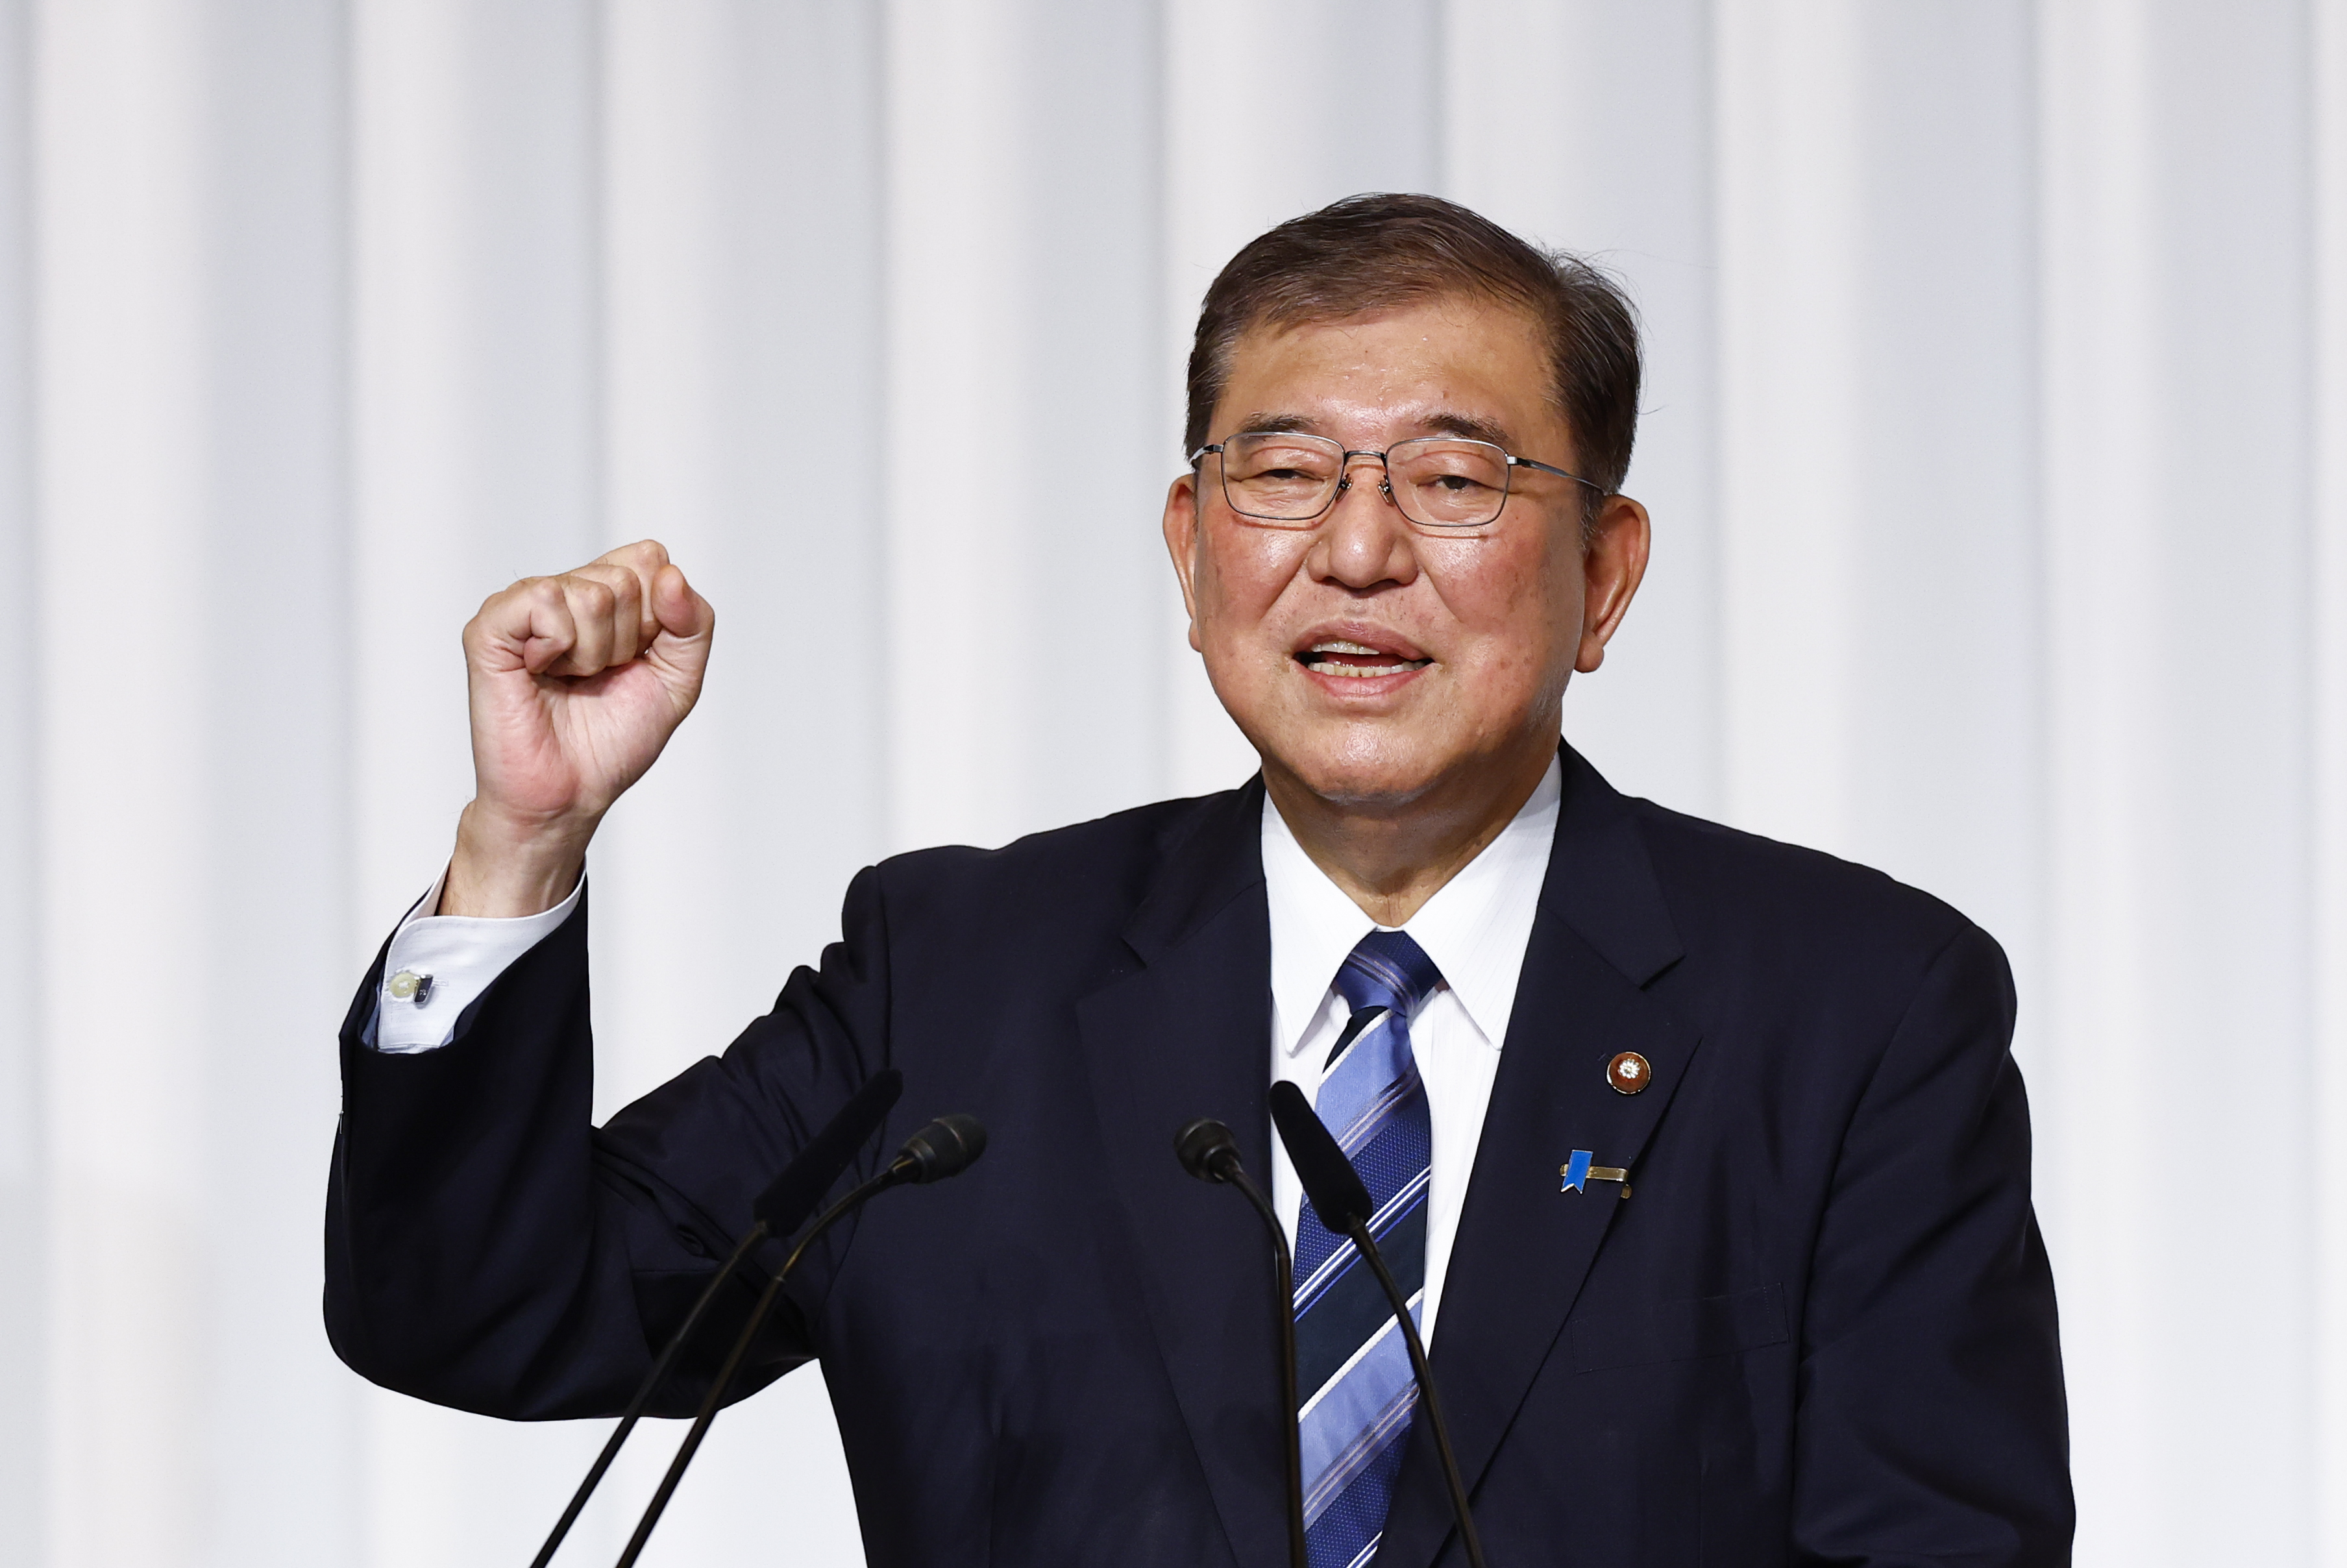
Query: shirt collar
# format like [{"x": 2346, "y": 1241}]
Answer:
[{"x": 1475, "y": 927}]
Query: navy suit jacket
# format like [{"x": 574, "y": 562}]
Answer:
[{"x": 1818, "y": 1327}]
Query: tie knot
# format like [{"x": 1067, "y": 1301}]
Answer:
[{"x": 1388, "y": 969}]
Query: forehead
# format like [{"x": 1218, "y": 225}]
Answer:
[{"x": 1465, "y": 356}]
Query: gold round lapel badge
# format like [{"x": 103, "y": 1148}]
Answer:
[{"x": 1629, "y": 1072}]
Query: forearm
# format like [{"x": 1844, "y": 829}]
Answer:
[
  {"x": 487, "y": 1249},
  {"x": 481, "y": 1251},
  {"x": 461, "y": 1236}
]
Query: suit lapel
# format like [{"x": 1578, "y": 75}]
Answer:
[
  {"x": 1523, "y": 1247},
  {"x": 1188, "y": 1036}
]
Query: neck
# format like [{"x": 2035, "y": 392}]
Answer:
[{"x": 1391, "y": 858}]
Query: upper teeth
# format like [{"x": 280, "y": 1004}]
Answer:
[{"x": 1394, "y": 661}]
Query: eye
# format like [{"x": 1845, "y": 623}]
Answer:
[
  {"x": 1455, "y": 483},
  {"x": 1271, "y": 474},
  {"x": 1285, "y": 460}
]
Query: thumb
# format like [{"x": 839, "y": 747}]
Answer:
[{"x": 680, "y": 649}]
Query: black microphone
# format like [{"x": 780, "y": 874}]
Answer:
[
  {"x": 778, "y": 1211},
  {"x": 1208, "y": 1151},
  {"x": 946, "y": 1147},
  {"x": 1342, "y": 1201}
]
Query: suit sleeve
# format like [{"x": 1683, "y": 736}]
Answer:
[
  {"x": 1932, "y": 1426},
  {"x": 489, "y": 1249}
]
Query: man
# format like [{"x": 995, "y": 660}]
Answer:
[{"x": 1822, "y": 1331}]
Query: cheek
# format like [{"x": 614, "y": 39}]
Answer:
[
  {"x": 1525, "y": 609},
  {"x": 1243, "y": 571}
]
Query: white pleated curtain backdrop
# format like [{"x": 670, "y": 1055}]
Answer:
[{"x": 1996, "y": 437}]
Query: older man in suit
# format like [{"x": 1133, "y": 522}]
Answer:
[{"x": 1821, "y": 1332}]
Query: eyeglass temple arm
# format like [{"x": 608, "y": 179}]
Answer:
[{"x": 1516, "y": 462}]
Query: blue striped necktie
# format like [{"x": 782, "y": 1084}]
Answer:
[{"x": 1352, "y": 1369}]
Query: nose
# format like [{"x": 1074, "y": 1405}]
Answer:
[{"x": 1365, "y": 540}]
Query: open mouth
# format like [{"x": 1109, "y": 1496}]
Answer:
[{"x": 1355, "y": 661}]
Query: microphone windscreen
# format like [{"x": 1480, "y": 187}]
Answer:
[
  {"x": 1200, "y": 1147},
  {"x": 1328, "y": 1179},
  {"x": 946, "y": 1147},
  {"x": 792, "y": 1196}
]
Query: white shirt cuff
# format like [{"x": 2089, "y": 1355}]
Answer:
[{"x": 439, "y": 964}]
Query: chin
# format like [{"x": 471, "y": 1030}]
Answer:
[{"x": 1370, "y": 771}]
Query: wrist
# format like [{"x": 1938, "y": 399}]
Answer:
[{"x": 504, "y": 869}]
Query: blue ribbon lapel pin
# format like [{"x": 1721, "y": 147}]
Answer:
[{"x": 1579, "y": 1173}]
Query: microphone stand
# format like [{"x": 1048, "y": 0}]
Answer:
[
  {"x": 944, "y": 1148},
  {"x": 787, "y": 1201},
  {"x": 1342, "y": 1201},
  {"x": 1359, "y": 1230},
  {"x": 1208, "y": 1151},
  {"x": 634, "y": 1412},
  {"x": 734, "y": 1359}
]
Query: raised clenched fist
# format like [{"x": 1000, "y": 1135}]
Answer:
[{"x": 576, "y": 683}]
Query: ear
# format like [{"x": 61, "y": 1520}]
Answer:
[
  {"x": 1182, "y": 543},
  {"x": 1613, "y": 564}
]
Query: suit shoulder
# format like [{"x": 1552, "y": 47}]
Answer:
[
  {"x": 1719, "y": 876},
  {"x": 1086, "y": 869}
]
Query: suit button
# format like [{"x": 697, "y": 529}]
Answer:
[{"x": 1629, "y": 1072}]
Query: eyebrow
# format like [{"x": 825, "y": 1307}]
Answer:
[
  {"x": 1465, "y": 426},
  {"x": 1278, "y": 424}
]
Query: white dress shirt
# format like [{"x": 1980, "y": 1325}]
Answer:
[
  {"x": 1475, "y": 928},
  {"x": 460, "y": 954}
]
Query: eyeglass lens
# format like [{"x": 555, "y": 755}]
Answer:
[{"x": 1437, "y": 482}]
